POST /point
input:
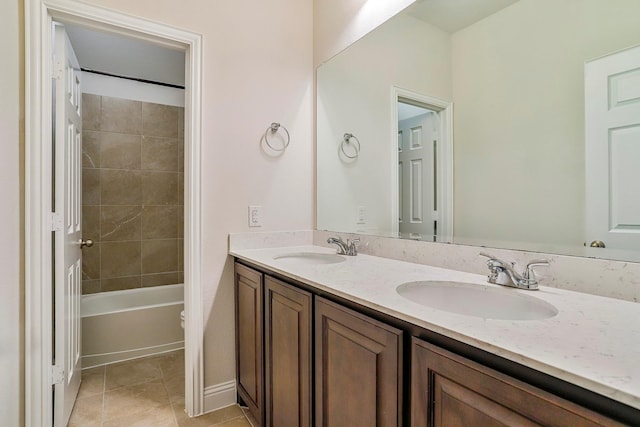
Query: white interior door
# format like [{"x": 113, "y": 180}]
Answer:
[
  {"x": 417, "y": 137},
  {"x": 612, "y": 107},
  {"x": 67, "y": 226}
]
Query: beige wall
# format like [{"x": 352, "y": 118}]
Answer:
[
  {"x": 519, "y": 123},
  {"x": 11, "y": 132},
  {"x": 354, "y": 96}
]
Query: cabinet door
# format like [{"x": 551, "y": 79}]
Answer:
[
  {"x": 358, "y": 369},
  {"x": 287, "y": 354},
  {"x": 249, "y": 350},
  {"x": 449, "y": 390}
]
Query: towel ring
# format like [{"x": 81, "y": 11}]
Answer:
[
  {"x": 347, "y": 140},
  {"x": 273, "y": 129}
]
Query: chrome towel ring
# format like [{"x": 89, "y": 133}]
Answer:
[
  {"x": 274, "y": 129},
  {"x": 356, "y": 145}
]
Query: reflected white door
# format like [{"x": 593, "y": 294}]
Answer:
[
  {"x": 417, "y": 139},
  {"x": 612, "y": 113},
  {"x": 67, "y": 225}
]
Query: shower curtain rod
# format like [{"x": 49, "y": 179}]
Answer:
[{"x": 102, "y": 73}]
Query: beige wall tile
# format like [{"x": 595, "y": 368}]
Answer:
[
  {"x": 91, "y": 262},
  {"x": 120, "y": 187},
  {"x": 181, "y": 122},
  {"x": 90, "y": 287},
  {"x": 159, "y": 188},
  {"x": 118, "y": 223},
  {"x": 120, "y": 150},
  {"x": 90, "y": 112},
  {"x": 121, "y": 115},
  {"x": 180, "y": 189},
  {"x": 90, "y": 149},
  {"x": 120, "y": 283},
  {"x": 119, "y": 259},
  {"x": 91, "y": 186},
  {"x": 181, "y": 155},
  {"x": 160, "y": 222},
  {"x": 91, "y": 223},
  {"x": 160, "y": 154},
  {"x": 159, "y": 120},
  {"x": 181, "y": 254},
  {"x": 159, "y": 256},
  {"x": 161, "y": 279},
  {"x": 125, "y": 205},
  {"x": 181, "y": 222}
]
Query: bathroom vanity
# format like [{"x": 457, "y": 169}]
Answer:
[{"x": 329, "y": 340}]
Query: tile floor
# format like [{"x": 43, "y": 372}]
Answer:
[{"x": 140, "y": 393}]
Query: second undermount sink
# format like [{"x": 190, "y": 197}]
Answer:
[
  {"x": 471, "y": 299},
  {"x": 310, "y": 258}
]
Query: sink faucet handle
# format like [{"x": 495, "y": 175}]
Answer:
[
  {"x": 529, "y": 273},
  {"x": 495, "y": 261},
  {"x": 352, "y": 246}
]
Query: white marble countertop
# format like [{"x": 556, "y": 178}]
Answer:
[{"x": 593, "y": 342}]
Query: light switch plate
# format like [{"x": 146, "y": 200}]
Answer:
[
  {"x": 255, "y": 216},
  {"x": 361, "y": 215}
]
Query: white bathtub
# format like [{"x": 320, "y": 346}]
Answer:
[{"x": 133, "y": 323}]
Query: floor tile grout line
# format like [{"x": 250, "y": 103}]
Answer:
[{"x": 104, "y": 395}]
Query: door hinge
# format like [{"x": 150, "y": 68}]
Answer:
[
  {"x": 57, "y": 69},
  {"x": 435, "y": 215},
  {"x": 56, "y": 221},
  {"x": 57, "y": 375}
]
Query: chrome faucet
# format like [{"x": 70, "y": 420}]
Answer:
[
  {"x": 503, "y": 273},
  {"x": 345, "y": 248}
]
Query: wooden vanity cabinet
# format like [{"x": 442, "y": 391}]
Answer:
[
  {"x": 287, "y": 354},
  {"x": 450, "y": 390},
  {"x": 273, "y": 349},
  {"x": 358, "y": 369},
  {"x": 249, "y": 339}
]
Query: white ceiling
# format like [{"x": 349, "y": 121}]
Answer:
[
  {"x": 126, "y": 56},
  {"x": 454, "y": 15}
]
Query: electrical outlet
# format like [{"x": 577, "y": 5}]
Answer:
[
  {"x": 255, "y": 216},
  {"x": 361, "y": 215}
]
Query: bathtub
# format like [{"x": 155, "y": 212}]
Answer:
[{"x": 123, "y": 325}]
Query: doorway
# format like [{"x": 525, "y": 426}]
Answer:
[
  {"x": 41, "y": 369},
  {"x": 422, "y": 155}
]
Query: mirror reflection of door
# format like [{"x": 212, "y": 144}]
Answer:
[
  {"x": 612, "y": 100},
  {"x": 418, "y": 133}
]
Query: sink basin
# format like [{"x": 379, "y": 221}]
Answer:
[
  {"x": 311, "y": 258},
  {"x": 477, "y": 300}
]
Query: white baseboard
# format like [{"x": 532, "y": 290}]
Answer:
[{"x": 219, "y": 396}]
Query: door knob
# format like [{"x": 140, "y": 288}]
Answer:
[
  {"x": 88, "y": 243},
  {"x": 597, "y": 244}
]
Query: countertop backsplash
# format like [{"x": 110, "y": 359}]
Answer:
[{"x": 613, "y": 279}]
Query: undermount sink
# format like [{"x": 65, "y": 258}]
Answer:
[
  {"x": 477, "y": 300},
  {"x": 311, "y": 258}
]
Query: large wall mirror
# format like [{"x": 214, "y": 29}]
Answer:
[{"x": 527, "y": 115}]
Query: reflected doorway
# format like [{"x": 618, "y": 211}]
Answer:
[
  {"x": 418, "y": 133},
  {"x": 423, "y": 204}
]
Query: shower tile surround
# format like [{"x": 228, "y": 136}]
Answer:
[{"x": 132, "y": 190}]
